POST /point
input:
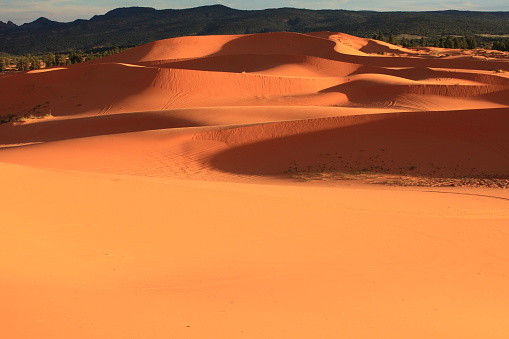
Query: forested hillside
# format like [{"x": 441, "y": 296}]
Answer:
[{"x": 138, "y": 25}]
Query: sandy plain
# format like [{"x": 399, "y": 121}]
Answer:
[{"x": 275, "y": 185}]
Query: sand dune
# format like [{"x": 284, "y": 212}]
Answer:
[
  {"x": 249, "y": 186},
  {"x": 397, "y": 143}
]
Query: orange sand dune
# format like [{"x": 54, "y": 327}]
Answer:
[
  {"x": 270, "y": 64},
  {"x": 293, "y": 69},
  {"x": 398, "y": 143},
  {"x": 202, "y": 46},
  {"x": 394, "y": 143},
  {"x": 250, "y": 186}
]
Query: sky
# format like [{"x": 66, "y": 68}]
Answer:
[{"x": 22, "y": 11}]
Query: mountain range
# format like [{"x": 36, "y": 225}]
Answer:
[{"x": 138, "y": 25}]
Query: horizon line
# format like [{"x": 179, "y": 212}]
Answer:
[{"x": 264, "y": 9}]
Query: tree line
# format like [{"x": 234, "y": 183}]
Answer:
[
  {"x": 502, "y": 45},
  {"x": 441, "y": 42},
  {"x": 31, "y": 62}
]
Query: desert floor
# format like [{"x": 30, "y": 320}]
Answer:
[{"x": 275, "y": 185}]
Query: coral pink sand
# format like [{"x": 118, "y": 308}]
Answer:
[{"x": 195, "y": 188}]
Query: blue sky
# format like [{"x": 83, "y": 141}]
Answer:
[{"x": 21, "y": 11}]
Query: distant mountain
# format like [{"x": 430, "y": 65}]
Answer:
[
  {"x": 139, "y": 25},
  {"x": 40, "y": 24},
  {"x": 7, "y": 27}
]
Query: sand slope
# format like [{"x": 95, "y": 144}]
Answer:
[{"x": 218, "y": 186}]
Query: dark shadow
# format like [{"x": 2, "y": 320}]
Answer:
[
  {"x": 237, "y": 63},
  {"x": 498, "y": 97},
  {"x": 367, "y": 92},
  {"x": 374, "y": 47},
  {"x": 372, "y": 92},
  {"x": 423, "y": 73},
  {"x": 74, "y": 90},
  {"x": 434, "y": 144},
  {"x": 285, "y": 43},
  {"x": 301, "y": 44},
  {"x": 410, "y": 62},
  {"x": 55, "y": 130}
]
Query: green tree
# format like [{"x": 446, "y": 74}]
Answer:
[
  {"x": 497, "y": 45},
  {"x": 60, "y": 60},
  {"x": 463, "y": 43},
  {"x": 449, "y": 43},
  {"x": 23, "y": 64},
  {"x": 75, "y": 57},
  {"x": 501, "y": 45},
  {"x": 392, "y": 40},
  {"x": 404, "y": 42},
  {"x": 471, "y": 43},
  {"x": 2, "y": 64},
  {"x": 49, "y": 60},
  {"x": 34, "y": 62},
  {"x": 455, "y": 43}
]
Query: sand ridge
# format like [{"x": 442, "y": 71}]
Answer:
[{"x": 246, "y": 186}]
